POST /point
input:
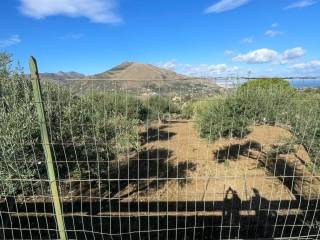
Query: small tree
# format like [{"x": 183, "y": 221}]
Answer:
[
  {"x": 221, "y": 116},
  {"x": 83, "y": 131}
]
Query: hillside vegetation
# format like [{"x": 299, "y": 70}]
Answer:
[
  {"x": 86, "y": 130},
  {"x": 137, "y": 78},
  {"x": 265, "y": 101},
  {"x": 90, "y": 129}
]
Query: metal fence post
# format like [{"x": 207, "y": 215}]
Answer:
[{"x": 46, "y": 147}]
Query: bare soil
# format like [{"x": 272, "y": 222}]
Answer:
[{"x": 203, "y": 171}]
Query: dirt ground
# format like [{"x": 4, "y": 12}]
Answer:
[{"x": 195, "y": 170}]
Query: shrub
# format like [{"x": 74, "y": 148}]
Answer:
[
  {"x": 265, "y": 83},
  {"x": 263, "y": 100},
  {"x": 159, "y": 106},
  {"x": 221, "y": 117},
  {"x": 267, "y": 100},
  {"x": 113, "y": 104},
  {"x": 104, "y": 129},
  {"x": 187, "y": 110},
  {"x": 305, "y": 123},
  {"x": 18, "y": 133},
  {"x": 299, "y": 112},
  {"x": 84, "y": 130}
]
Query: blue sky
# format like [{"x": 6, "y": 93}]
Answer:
[{"x": 207, "y": 37}]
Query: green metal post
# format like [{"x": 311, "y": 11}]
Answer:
[{"x": 46, "y": 147}]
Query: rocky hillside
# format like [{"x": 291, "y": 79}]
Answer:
[
  {"x": 137, "y": 71},
  {"x": 62, "y": 75},
  {"x": 138, "y": 78}
]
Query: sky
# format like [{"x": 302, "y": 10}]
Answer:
[{"x": 195, "y": 37}]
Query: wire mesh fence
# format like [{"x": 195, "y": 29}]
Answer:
[{"x": 159, "y": 159}]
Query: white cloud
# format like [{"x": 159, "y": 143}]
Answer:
[
  {"x": 170, "y": 65},
  {"x": 227, "y": 70},
  {"x": 12, "y": 40},
  {"x": 307, "y": 67},
  {"x": 200, "y": 70},
  {"x": 209, "y": 70},
  {"x": 247, "y": 40},
  {"x": 293, "y": 53},
  {"x": 301, "y": 4},
  {"x": 229, "y": 53},
  {"x": 226, "y": 5},
  {"x": 265, "y": 55},
  {"x": 99, "y": 11},
  {"x": 272, "y": 33}
]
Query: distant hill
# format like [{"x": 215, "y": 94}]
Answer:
[
  {"x": 137, "y": 78},
  {"x": 62, "y": 75},
  {"x": 139, "y": 71}
]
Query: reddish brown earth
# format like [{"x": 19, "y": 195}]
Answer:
[
  {"x": 176, "y": 165},
  {"x": 206, "y": 178}
]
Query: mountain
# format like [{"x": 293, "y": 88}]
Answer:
[
  {"x": 139, "y": 79},
  {"x": 62, "y": 75},
  {"x": 138, "y": 71}
]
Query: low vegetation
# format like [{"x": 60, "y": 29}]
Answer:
[
  {"x": 89, "y": 130},
  {"x": 86, "y": 131},
  {"x": 262, "y": 101},
  {"x": 221, "y": 116},
  {"x": 159, "y": 107}
]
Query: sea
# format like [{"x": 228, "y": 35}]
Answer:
[
  {"x": 296, "y": 83},
  {"x": 304, "y": 83}
]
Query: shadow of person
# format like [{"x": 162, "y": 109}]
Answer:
[
  {"x": 231, "y": 208},
  {"x": 264, "y": 217}
]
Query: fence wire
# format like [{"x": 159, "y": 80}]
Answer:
[{"x": 175, "y": 159}]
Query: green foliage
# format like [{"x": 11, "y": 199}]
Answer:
[
  {"x": 264, "y": 101},
  {"x": 305, "y": 123},
  {"x": 187, "y": 110},
  {"x": 18, "y": 133},
  {"x": 285, "y": 148},
  {"x": 159, "y": 106},
  {"x": 257, "y": 101},
  {"x": 83, "y": 130},
  {"x": 113, "y": 104},
  {"x": 100, "y": 124},
  {"x": 265, "y": 83},
  {"x": 221, "y": 117}
]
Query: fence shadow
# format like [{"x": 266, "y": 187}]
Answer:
[
  {"x": 112, "y": 215},
  {"x": 114, "y": 219}
]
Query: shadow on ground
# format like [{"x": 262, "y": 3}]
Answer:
[
  {"x": 146, "y": 171},
  {"x": 233, "y": 151},
  {"x": 231, "y": 218},
  {"x": 156, "y": 134},
  {"x": 142, "y": 173},
  {"x": 104, "y": 213}
]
